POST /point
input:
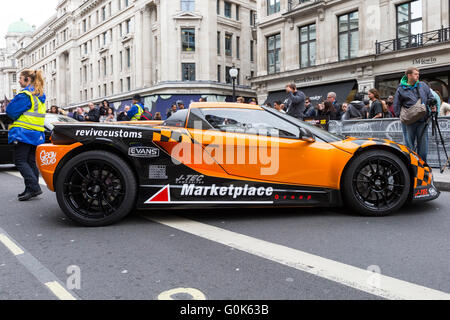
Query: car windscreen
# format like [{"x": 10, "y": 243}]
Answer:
[
  {"x": 178, "y": 119},
  {"x": 318, "y": 132},
  {"x": 50, "y": 119}
]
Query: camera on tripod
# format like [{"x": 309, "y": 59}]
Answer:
[{"x": 432, "y": 103}]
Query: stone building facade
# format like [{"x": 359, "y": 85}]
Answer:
[
  {"x": 165, "y": 51},
  {"x": 349, "y": 46}
]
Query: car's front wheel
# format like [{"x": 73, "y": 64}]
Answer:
[
  {"x": 377, "y": 183},
  {"x": 96, "y": 188}
]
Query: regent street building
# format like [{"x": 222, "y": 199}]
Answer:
[
  {"x": 166, "y": 51},
  {"x": 346, "y": 46}
]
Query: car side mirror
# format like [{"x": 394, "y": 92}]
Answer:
[{"x": 306, "y": 135}]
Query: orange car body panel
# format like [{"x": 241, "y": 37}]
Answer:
[{"x": 48, "y": 156}]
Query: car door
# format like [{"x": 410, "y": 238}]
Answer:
[
  {"x": 6, "y": 150},
  {"x": 255, "y": 144}
]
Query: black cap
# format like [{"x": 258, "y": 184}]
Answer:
[{"x": 137, "y": 97}]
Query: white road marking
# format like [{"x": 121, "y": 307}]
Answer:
[
  {"x": 59, "y": 291},
  {"x": 41, "y": 273},
  {"x": 10, "y": 245},
  {"x": 389, "y": 288},
  {"x": 17, "y": 174}
]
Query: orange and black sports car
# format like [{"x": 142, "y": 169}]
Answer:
[{"x": 225, "y": 155}]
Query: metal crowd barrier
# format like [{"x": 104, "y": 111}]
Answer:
[{"x": 391, "y": 129}]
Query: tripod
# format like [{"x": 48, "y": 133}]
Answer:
[{"x": 435, "y": 130}]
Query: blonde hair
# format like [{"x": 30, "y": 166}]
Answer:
[{"x": 37, "y": 81}]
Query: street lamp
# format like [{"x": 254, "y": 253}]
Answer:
[{"x": 234, "y": 74}]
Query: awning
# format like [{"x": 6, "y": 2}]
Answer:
[{"x": 319, "y": 93}]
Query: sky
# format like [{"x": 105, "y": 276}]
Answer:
[{"x": 35, "y": 12}]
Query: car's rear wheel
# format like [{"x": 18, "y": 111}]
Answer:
[
  {"x": 96, "y": 188},
  {"x": 377, "y": 183}
]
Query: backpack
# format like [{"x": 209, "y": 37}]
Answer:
[{"x": 146, "y": 116}]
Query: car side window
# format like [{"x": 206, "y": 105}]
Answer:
[{"x": 249, "y": 121}]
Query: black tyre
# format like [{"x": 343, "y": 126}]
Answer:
[
  {"x": 96, "y": 189},
  {"x": 377, "y": 183}
]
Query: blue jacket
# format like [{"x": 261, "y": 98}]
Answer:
[
  {"x": 407, "y": 96},
  {"x": 134, "y": 110},
  {"x": 20, "y": 104}
]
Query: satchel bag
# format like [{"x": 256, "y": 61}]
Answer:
[{"x": 413, "y": 114}]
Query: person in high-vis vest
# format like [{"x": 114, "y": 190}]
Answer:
[
  {"x": 28, "y": 110},
  {"x": 137, "y": 110}
]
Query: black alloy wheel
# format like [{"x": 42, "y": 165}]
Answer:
[
  {"x": 377, "y": 183},
  {"x": 96, "y": 188}
]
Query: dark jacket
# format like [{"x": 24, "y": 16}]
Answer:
[
  {"x": 311, "y": 112},
  {"x": 407, "y": 96},
  {"x": 78, "y": 117},
  {"x": 375, "y": 109},
  {"x": 296, "y": 104},
  {"x": 355, "y": 110},
  {"x": 93, "y": 115},
  {"x": 338, "y": 107},
  {"x": 332, "y": 115},
  {"x": 122, "y": 117},
  {"x": 146, "y": 116}
]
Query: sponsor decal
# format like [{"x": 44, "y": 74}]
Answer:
[
  {"x": 188, "y": 179},
  {"x": 432, "y": 192},
  {"x": 157, "y": 172},
  {"x": 143, "y": 152},
  {"x": 231, "y": 191},
  {"x": 47, "y": 158},
  {"x": 108, "y": 133},
  {"x": 421, "y": 193}
]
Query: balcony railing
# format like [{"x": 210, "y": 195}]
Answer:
[{"x": 413, "y": 41}]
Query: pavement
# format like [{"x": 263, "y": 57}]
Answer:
[
  {"x": 219, "y": 254},
  {"x": 442, "y": 180}
]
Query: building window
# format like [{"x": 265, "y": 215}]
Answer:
[
  {"x": 273, "y": 53},
  {"x": 252, "y": 57},
  {"x": 84, "y": 25},
  {"x": 227, "y": 75},
  {"x": 273, "y": 6},
  {"x": 348, "y": 36},
  {"x": 187, "y": 5},
  {"x": 188, "y": 71},
  {"x": 218, "y": 7},
  {"x": 308, "y": 46},
  {"x": 104, "y": 13},
  {"x": 237, "y": 12},
  {"x": 228, "y": 45},
  {"x": 128, "y": 26},
  {"x": 188, "y": 39},
  {"x": 129, "y": 83},
  {"x": 104, "y": 66},
  {"x": 128, "y": 58},
  {"x": 112, "y": 65},
  {"x": 409, "y": 23},
  {"x": 252, "y": 18},
  {"x": 218, "y": 42},
  {"x": 238, "y": 47},
  {"x": 227, "y": 11},
  {"x": 219, "y": 73},
  {"x": 121, "y": 60}
]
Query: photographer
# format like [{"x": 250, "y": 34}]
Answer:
[{"x": 409, "y": 99}]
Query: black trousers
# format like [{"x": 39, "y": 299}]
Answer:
[{"x": 25, "y": 162}]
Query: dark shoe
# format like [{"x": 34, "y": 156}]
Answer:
[
  {"x": 37, "y": 193},
  {"x": 27, "y": 196},
  {"x": 21, "y": 194}
]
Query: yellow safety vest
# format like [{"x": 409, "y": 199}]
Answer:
[
  {"x": 138, "y": 115},
  {"x": 34, "y": 118}
]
